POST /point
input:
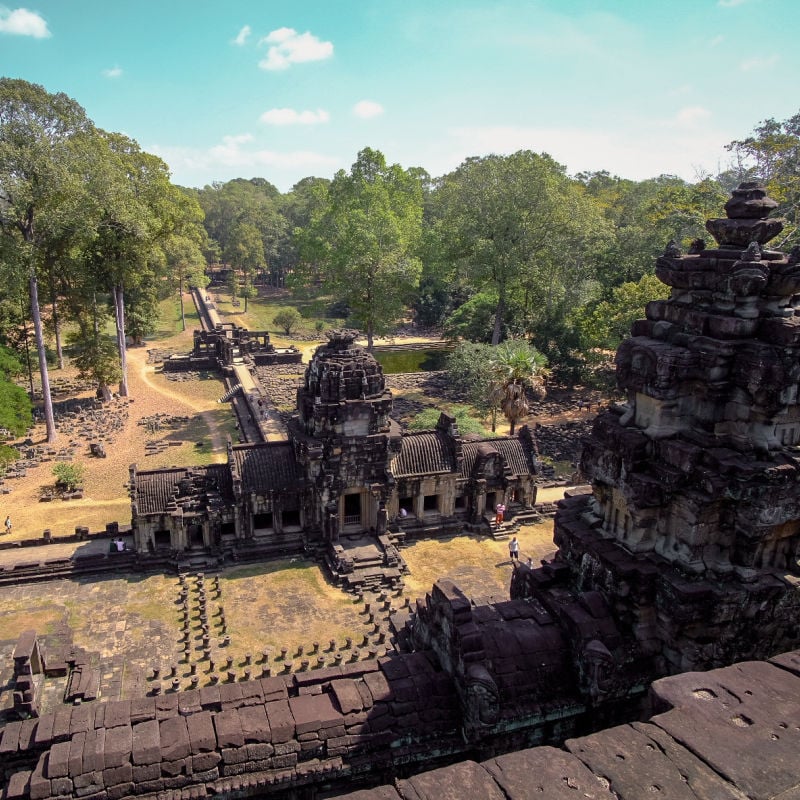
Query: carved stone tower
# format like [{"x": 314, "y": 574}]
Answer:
[
  {"x": 344, "y": 434},
  {"x": 693, "y": 525}
]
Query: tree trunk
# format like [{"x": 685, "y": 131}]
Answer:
[
  {"x": 104, "y": 393},
  {"x": 370, "y": 337},
  {"x": 498, "y": 318},
  {"x": 180, "y": 294},
  {"x": 57, "y": 330},
  {"x": 27, "y": 347},
  {"x": 49, "y": 419},
  {"x": 119, "y": 315}
]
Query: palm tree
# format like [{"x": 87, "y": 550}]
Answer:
[{"x": 517, "y": 367}]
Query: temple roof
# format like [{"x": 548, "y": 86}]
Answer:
[
  {"x": 423, "y": 453},
  {"x": 156, "y": 488},
  {"x": 517, "y": 453},
  {"x": 268, "y": 467}
]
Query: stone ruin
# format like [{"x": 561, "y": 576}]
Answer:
[
  {"x": 681, "y": 555},
  {"x": 349, "y": 485},
  {"x": 691, "y": 530},
  {"x": 227, "y": 344}
]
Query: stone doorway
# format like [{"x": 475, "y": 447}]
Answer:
[
  {"x": 195, "y": 535},
  {"x": 352, "y": 510}
]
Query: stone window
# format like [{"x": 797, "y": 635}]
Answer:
[
  {"x": 430, "y": 503},
  {"x": 408, "y": 504},
  {"x": 162, "y": 539},
  {"x": 290, "y": 519},
  {"x": 262, "y": 521}
]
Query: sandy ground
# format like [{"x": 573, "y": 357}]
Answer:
[{"x": 105, "y": 480}]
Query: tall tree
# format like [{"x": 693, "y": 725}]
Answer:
[
  {"x": 514, "y": 224},
  {"x": 139, "y": 210},
  {"x": 518, "y": 367},
  {"x": 245, "y": 253},
  {"x": 365, "y": 237},
  {"x": 41, "y": 144},
  {"x": 772, "y": 154}
]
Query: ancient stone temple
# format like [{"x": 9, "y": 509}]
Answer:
[
  {"x": 347, "y": 482},
  {"x": 692, "y": 527}
]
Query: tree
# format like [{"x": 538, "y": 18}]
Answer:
[
  {"x": 469, "y": 369},
  {"x": 772, "y": 155},
  {"x": 605, "y": 324},
  {"x": 69, "y": 475},
  {"x": 42, "y": 142},
  {"x": 517, "y": 225},
  {"x": 15, "y": 405},
  {"x": 138, "y": 211},
  {"x": 255, "y": 203},
  {"x": 95, "y": 356},
  {"x": 365, "y": 237},
  {"x": 287, "y": 319},
  {"x": 518, "y": 367},
  {"x": 245, "y": 252}
]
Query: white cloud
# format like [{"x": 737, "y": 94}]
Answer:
[
  {"x": 242, "y": 36},
  {"x": 366, "y": 109},
  {"x": 730, "y": 3},
  {"x": 691, "y": 115},
  {"x": 22, "y": 22},
  {"x": 114, "y": 72},
  {"x": 716, "y": 41},
  {"x": 661, "y": 148},
  {"x": 289, "y": 116},
  {"x": 236, "y": 156},
  {"x": 287, "y": 46},
  {"x": 758, "y": 63}
]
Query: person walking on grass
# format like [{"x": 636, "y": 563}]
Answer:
[
  {"x": 513, "y": 549},
  {"x": 8, "y": 524}
]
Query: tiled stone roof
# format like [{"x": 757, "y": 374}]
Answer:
[
  {"x": 155, "y": 489},
  {"x": 516, "y": 453},
  {"x": 423, "y": 453},
  {"x": 268, "y": 467}
]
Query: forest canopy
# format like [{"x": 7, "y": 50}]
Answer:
[{"x": 93, "y": 234}]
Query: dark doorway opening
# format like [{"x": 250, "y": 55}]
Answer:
[
  {"x": 352, "y": 509},
  {"x": 290, "y": 519},
  {"x": 162, "y": 540},
  {"x": 262, "y": 521},
  {"x": 195, "y": 536}
]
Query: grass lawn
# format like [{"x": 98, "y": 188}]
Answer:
[{"x": 262, "y": 310}]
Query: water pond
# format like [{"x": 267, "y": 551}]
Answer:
[{"x": 422, "y": 360}]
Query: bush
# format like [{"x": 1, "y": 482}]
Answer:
[
  {"x": 68, "y": 475},
  {"x": 426, "y": 420},
  {"x": 288, "y": 319}
]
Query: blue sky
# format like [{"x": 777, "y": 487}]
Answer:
[{"x": 283, "y": 90}]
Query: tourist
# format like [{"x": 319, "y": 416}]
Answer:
[
  {"x": 403, "y": 512},
  {"x": 529, "y": 563},
  {"x": 120, "y": 545},
  {"x": 500, "y": 510},
  {"x": 8, "y": 524},
  {"x": 513, "y": 549}
]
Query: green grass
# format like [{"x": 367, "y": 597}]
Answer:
[
  {"x": 169, "y": 318},
  {"x": 261, "y": 311}
]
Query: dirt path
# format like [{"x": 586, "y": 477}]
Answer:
[{"x": 138, "y": 359}]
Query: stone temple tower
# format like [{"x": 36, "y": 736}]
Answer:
[
  {"x": 692, "y": 527},
  {"x": 344, "y": 435}
]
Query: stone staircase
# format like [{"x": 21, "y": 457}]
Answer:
[{"x": 230, "y": 393}]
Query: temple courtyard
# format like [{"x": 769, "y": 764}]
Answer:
[{"x": 281, "y": 616}]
